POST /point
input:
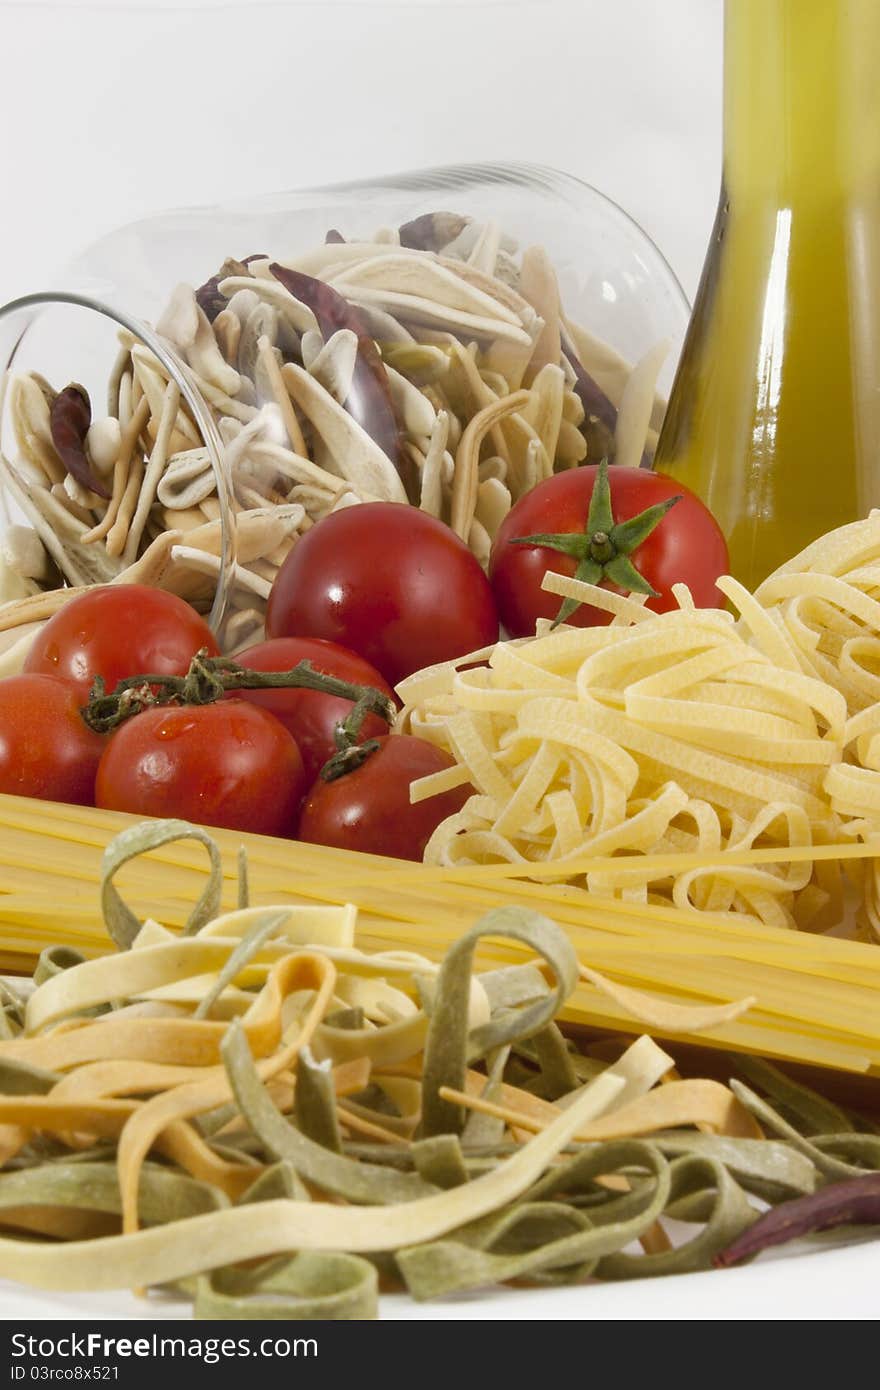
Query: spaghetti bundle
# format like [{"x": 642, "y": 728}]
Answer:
[{"x": 815, "y": 999}]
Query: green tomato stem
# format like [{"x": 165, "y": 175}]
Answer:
[
  {"x": 209, "y": 678},
  {"x": 603, "y": 548}
]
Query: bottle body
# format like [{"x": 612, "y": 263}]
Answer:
[{"x": 774, "y": 418}]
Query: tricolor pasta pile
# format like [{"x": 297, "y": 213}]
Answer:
[
  {"x": 694, "y": 732},
  {"x": 260, "y": 1089}
]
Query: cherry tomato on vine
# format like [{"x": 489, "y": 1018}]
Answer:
[
  {"x": 119, "y": 630},
  {"x": 227, "y": 764},
  {"x": 310, "y": 715},
  {"x": 389, "y": 582},
  {"x": 46, "y": 750},
  {"x": 369, "y": 809},
  {"x": 637, "y": 532}
]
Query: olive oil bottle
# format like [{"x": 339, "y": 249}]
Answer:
[{"x": 774, "y": 418}]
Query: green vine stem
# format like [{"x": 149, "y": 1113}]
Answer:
[{"x": 210, "y": 678}]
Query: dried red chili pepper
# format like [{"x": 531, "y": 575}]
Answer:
[
  {"x": 70, "y": 416},
  {"x": 208, "y": 296},
  {"x": 431, "y": 231},
  {"x": 853, "y": 1202},
  {"x": 369, "y": 399}
]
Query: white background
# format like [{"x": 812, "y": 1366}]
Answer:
[
  {"x": 829, "y": 1284},
  {"x": 112, "y": 110}
]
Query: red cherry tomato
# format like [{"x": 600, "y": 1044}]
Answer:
[
  {"x": 310, "y": 715},
  {"x": 687, "y": 546},
  {"x": 227, "y": 764},
  {"x": 389, "y": 582},
  {"x": 46, "y": 750},
  {"x": 116, "y": 631},
  {"x": 369, "y": 809}
]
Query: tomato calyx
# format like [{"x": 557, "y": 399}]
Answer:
[
  {"x": 209, "y": 678},
  {"x": 603, "y": 548}
]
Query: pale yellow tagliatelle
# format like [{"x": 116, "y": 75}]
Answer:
[{"x": 686, "y": 732}]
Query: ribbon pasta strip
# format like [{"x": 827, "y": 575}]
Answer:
[
  {"x": 316, "y": 1105},
  {"x": 675, "y": 736},
  {"x": 688, "y": 732}
]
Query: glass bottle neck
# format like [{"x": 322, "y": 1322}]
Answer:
[{"x": 801, "y": 99}]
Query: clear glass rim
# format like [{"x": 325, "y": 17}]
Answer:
[
  {"x": 29, "y": 304},
  {"x": 540, "y": 176}
]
